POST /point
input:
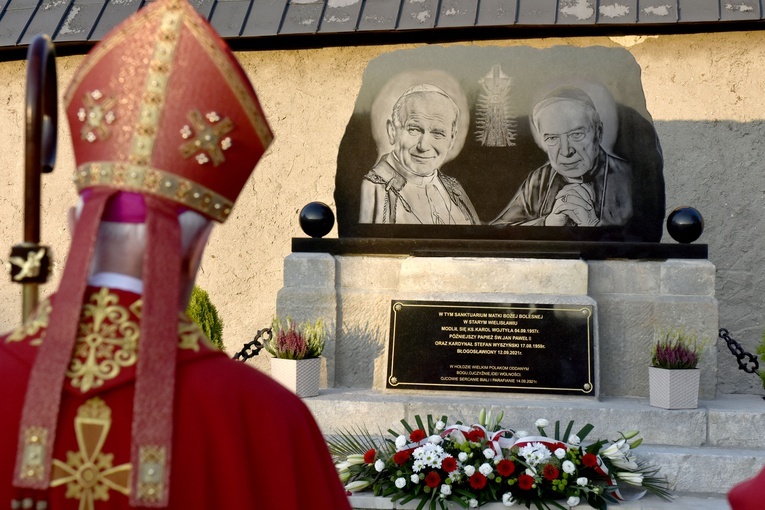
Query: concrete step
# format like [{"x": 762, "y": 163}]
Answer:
[
  {"x": 705, "y": 450},
  {"x": 681, "y": 502}
]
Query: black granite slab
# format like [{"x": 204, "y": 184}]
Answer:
[
  {"x": 587, "y": 250},
  {"x": 507, "y": 347}
]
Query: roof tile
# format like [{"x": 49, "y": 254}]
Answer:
[
  {"x": 380, "y": 15},
  {"x": 228, "y": 17},
  {"x": 577, "y": 12},
  {"x": 203, "y": 7},
  {"x": 457, "y": 13},
  {"x": 79, "y": 21},
  {"x": 46, "y": 20},
  {"x": 14, "y": 22},
  {"x": 340, "y": 16},
  {"x": 537, "y": 12},
  {"x": 265, "y": 18},
  {"x": 735, "y": 10},
  {"x": 418, "y": 14},
  {"x": 112, "y": 15},
  {"x": 497, "y": 12},
  {"x": 618, "y": 11},
  {"x": 302, "y": 18},
  {"x": 699, "y": 10},
  {"x": 657, "y": 11}
]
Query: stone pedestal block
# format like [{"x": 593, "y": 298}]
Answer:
[{"x": 634, "y": 301}]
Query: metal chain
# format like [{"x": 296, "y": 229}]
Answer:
[
  {"x": 253, "y": 347},
  {"x": 739, "y": 352}
]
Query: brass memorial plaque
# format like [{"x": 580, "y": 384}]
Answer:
[{"x": 532, "y": 348}]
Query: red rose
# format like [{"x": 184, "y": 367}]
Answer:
[
  {"x": 525, "y": 482},
  {"x": 401, "y": 457},
  {"x": 505, "y": 468},
  {"x": 550, "y": 472},
  {"x": 370, "y": 455},
  {"x": 417, "y": 435},
  {"x": 589, "y": 460},
  {"x": 432, "y": 479},
  {"x": 449, "y": 464},
  {"x": 475, "y": 435},
  {"x": 477, "y": 481}
]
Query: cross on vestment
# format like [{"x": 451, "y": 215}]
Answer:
[{"x": 89, "y": 473}]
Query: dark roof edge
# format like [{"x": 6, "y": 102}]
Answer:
[{"x": 434, "y": 36}]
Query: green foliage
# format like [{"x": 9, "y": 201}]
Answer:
[
  {"x": 296, "y": 341},
  {"x": 205, "y": 315},
  {"x": 761, "y": 356},
  {"x": 677, "y": 349}
]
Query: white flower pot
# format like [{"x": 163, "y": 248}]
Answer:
[
  {"x": 674, "y": 389},
  {"x": 301, "y": 376}
]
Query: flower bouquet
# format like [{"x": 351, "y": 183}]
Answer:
[{"x": 481, "y": 463}]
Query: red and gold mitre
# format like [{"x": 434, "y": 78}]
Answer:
[
  {"x": 161, "y": 106},
  {"x": 160, "y": 109}
]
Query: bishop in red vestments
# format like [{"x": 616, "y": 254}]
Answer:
[{"x": 111, "y": 397}]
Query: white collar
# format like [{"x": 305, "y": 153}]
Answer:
[{"x": 117, "y": 281}]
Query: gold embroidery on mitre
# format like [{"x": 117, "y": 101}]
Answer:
[
  {"x": 132, "y": 177},
  {"x": 106, "y": 342},
  {"x": 96, "y": 115},
  {"x": 89, "y": 474},
  {"x": 207, "y": 142},
  {"x": 37, "y": 321},
  {"x": 151, "y": 473},
  {"x": 35, "y": 441},
  {"x": 155, "y": 88}
]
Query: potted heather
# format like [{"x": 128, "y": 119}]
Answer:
[
  {"x": 673, "y": 375},
  {"x": 296, "y": 350}
]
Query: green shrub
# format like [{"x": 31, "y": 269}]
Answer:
[{"x": 205, "y": 315}]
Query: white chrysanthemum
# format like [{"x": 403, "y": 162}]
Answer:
[
  {"x": 429, "y": 454},
  {"x": 415, "y": 478},
  {"x": 469, "y": 470},
  {"x": 400, "y": 443},
  {"x": 446, "y": 489},
  {"x": 401, "y": 482},
  {"x": 542, "y": 423},
  {"x": 572, "y": 501},
  {"x": 535, "y": 453},
  {"x": 440, "y": 425},
  {"x": 473, "y": 503},
  {"x": 568, "y": 467},
  {"x": 507, "y": 499},
  {"x": 379, "y": 465},
  {"x": 485, "y": 469},
  {"x": 582, "y": 481},
  {"x": 489, "y": 453},
  {"x": 560, "y": 453},
  {"x": 462, "y": 456},
  {"x": 417, "y": 466},
  {"x": 574, "y": 440}
]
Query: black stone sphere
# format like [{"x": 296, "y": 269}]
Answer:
[
  {"x": 685, "y": 224},
  {"x": 317, "y": 219}
]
